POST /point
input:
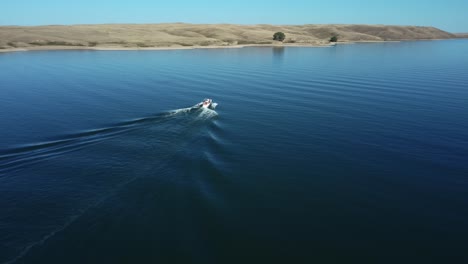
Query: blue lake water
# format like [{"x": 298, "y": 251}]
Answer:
[{"x": 350, "y": 154}]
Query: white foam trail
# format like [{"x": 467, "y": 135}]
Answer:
[
  {"x": 206, "y": 113},
  {"x": 199, "y": 113},
  {"x": 203, "y": 113},
  {"x": 180, "y": 111}
]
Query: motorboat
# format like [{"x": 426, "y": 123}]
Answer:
[{"x": 207, "y": 103}]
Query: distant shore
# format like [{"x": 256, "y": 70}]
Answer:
[
  {"x": 200, "y": 36},
  {"x": 117, "y": 48},
  {"x": 114, "y": 48},
  {"x": 461, "y": 35}
]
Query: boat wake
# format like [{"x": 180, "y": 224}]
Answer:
[
  {"x": 200, "y": 113},
  {"x": 22, "y": 155},
  {"x": 147, "y": 144}
]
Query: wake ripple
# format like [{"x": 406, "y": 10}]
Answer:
[{"x": 18, "y": 157}]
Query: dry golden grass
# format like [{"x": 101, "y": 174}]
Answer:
[
  {"x": 461, "y": 35},
  {"x": 187, "y": 35}
]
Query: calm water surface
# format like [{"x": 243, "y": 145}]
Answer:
[{"x": 350, "y": 154}]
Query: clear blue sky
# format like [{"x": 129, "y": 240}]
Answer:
[{"x": 450, "y": 15}]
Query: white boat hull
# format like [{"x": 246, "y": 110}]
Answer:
[{"x": 207, "y": 103}]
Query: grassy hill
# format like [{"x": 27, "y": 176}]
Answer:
[
  {"x": 188, "y": 35},
  {"x": 461, "y": 35}
]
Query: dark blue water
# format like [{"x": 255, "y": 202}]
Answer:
[{"x": 350, "y": 154}]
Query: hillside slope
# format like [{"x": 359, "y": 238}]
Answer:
[{"x": 180, "y": 34}]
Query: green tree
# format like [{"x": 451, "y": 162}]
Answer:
[
  {"x": 280, "y": 36},
  {"x": 334, "y": 38}
]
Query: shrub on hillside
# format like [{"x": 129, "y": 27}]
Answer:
[{"x": 279, "y": 36}]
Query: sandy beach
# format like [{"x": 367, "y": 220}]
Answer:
[{"x": 113, "y": 48}]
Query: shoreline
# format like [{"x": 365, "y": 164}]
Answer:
[{"x": 118, "y": 48}]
